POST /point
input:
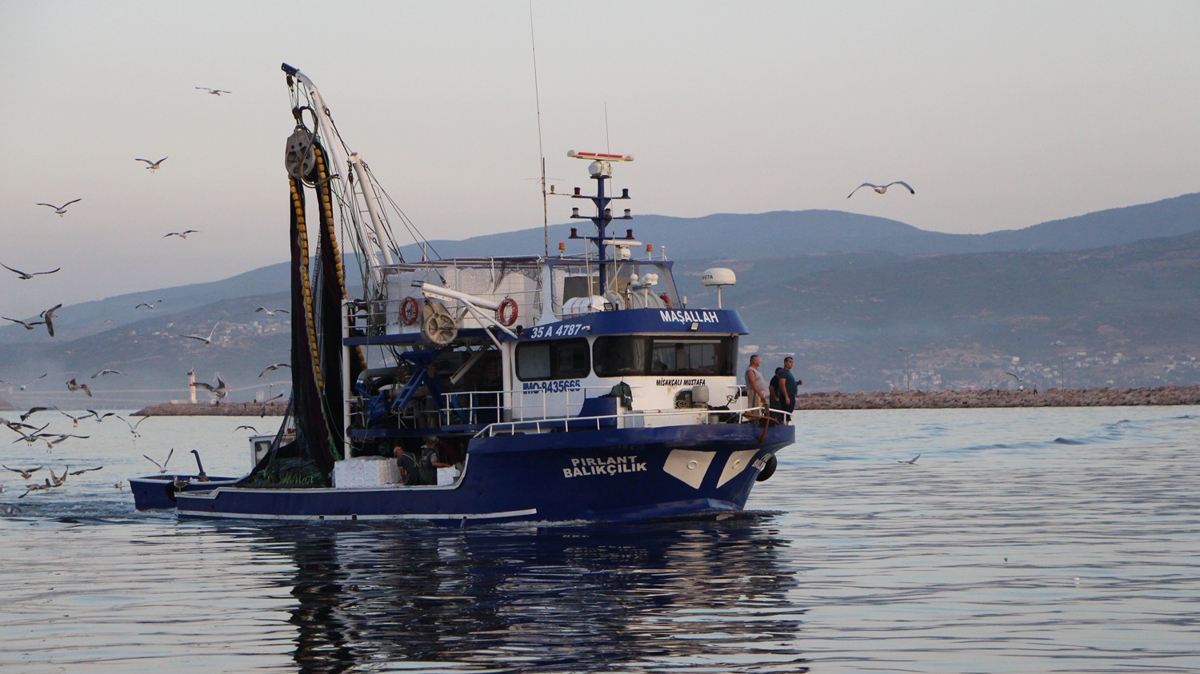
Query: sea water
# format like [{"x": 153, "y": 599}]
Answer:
[{"x": 1044, "y": 540}]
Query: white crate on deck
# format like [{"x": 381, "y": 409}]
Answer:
[{"x": 365, "y": 471}]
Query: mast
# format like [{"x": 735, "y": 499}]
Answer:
[
  {"x": 376, "y": 236},
  {"x": 600, "y": 170}
]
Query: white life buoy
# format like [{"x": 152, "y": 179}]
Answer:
[{"x": 507, "y": 312}]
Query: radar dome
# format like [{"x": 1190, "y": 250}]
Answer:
[{"x": 718, "y": 276}]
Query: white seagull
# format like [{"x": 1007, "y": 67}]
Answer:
[
  {"x": 151, "y": 165},
  {"x": 29, "y": 325},
  {"x": 269, "y": 368},
  {"x": 107, "y": 371},
  {"x": 61, "y": 210},
  {"x": 911, "y": 462},
  {"x": 271, "y": 312},
  {"x": 162, "y": 467},
  {"x": 48, "y": 316},
  {"x": 26, "y": 275},
  {"x": 133, "y": 429},
  {"x": 880, "y": 189},
  {"x": 182, "y": 235},
  {"x": 22, "y": 386},
  {"x": 206, "y": 340},
  {"x": 73, "y": 386},
  {"x": 221, "y": 389},
  {"x": 214, "y": 92}
]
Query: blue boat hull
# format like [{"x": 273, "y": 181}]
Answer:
[
  {"x": 598, "y": 475},
  {"x": 154, "y": 492}
]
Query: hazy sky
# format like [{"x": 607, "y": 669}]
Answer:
[{"x": 1001, "y": 115}]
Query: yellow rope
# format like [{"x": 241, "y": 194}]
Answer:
[
  {"x": 327, "y": 205},
  {"x": 308, "y": 318}
]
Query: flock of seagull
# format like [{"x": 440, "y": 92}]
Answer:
[
  {"x": 51, "y": 482},
  {"x": 32, "y": 432}
]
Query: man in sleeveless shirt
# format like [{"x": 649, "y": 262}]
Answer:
[{"x": 756, "y": 386}]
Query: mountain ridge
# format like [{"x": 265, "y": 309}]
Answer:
[{"x": 848, "y": 311}]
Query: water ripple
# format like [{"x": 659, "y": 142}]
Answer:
[{"x": 1020, "y": 541}]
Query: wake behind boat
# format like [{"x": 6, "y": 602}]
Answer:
[{"x": 542, "y": 387}]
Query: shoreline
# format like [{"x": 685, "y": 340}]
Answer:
[
  {"x": 835, "y": 400},
  {"x": 1055, "y": 397}
]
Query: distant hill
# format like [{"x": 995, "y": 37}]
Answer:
[
  {"x": 1124, "y": 315},
  {"x": 795, "y": 233},
  {"x": 847, "y": 292},
  {"x": 810, "y": 237}
]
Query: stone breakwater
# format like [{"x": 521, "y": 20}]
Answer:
[
  {"x": 879, "y": 400},
  {"x": 271, "y": 409},
  {"x": 1055, "y": 397}
]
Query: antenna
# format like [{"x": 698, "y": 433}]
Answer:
[
  {"x": 607, "y": 140},
  {"x": 537, "y": 100}
]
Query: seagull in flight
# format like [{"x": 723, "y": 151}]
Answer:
[
  {"x": 26, "y": 473},
  {"x": 22, "y": 386},
  {"x": 133, "y": 429},
  {"x": 250, "y": 428},
  {"x": 85, "y": 470},
  {"x": 73, "y": 386},
  {"x": 61, "y": 210},
  {"x": 880, "y": 189},
  {"x": 214, "y": 92},
  {"x": 47, "y": 315},
  {"x": 36, "y": 487},
  {"x": 162, "y": 467},
  {"x": 74, "y": 419},
  {"x": 220, "y": 390},
  {"x": 911, "y": 462},
  {"x": 29, "y": 325},
  {"x": 26, "y": 275},
  {"x": 151, "y": 165},
  {"x": 148, "y": 305},
  {"x": 27, "y": 437},
  {"x": 269, "y": 368},
  {"x": 271, "y": 312},
  {"x": 1012, "y": 375},
  {"x": 206, "y": 340},
  {"x": 107, "y": 371},
  {"x": 34, "y": 410},
  {"x": 183, "y": 234}
]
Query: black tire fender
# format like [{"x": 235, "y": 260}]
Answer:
[{"x": 768, "y": 469}]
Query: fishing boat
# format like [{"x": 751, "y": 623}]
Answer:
[{"x": 548, "y": 387}]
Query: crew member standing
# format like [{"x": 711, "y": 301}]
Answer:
[
  {"x": 756, "y": 386},
  {"x": 788, "y": 386}
]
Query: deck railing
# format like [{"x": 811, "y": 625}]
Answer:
[
  {"x": 474, "y": 407},
  {"x": 632, "y": 420}
]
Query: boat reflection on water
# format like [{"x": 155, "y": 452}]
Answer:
[{"x": 667, "y": 595}]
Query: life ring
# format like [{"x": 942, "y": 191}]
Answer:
[
  {"x": 409, "y": 310},
  {"x": 507, "y": 312},
  {"x": 666, "y": 299}
]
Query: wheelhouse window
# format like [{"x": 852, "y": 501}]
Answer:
[
  {"x": 559, "y": 359},
  {"x": 690, "y": 356}
]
